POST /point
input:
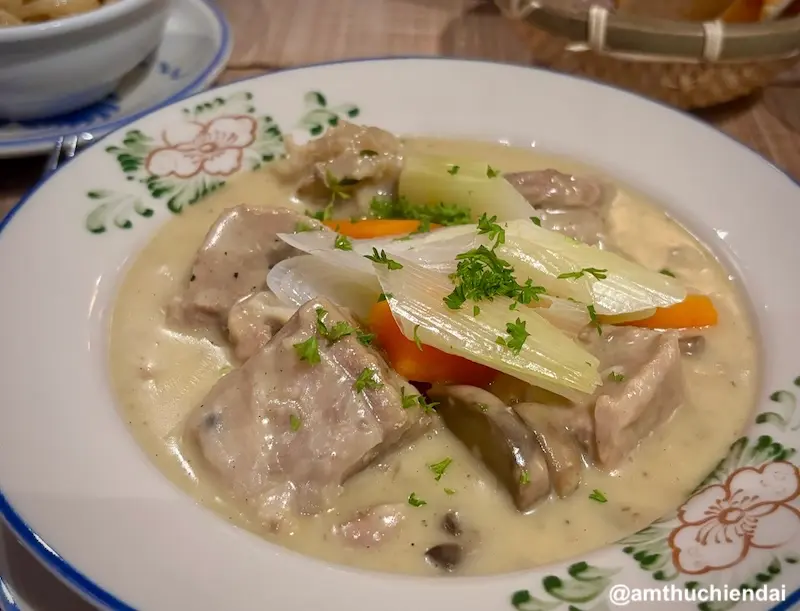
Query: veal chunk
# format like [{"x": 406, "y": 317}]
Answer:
[
  {"x": 233, "y": 262},
  {"x": 283, "y": 434},
  {"x": 643, "y": 388}
]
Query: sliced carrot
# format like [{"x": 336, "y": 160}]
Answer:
[
  {"x": 427, "y": 364},
  {"x": 378, "y": 228},
  {"x": 694, "y": 311}
]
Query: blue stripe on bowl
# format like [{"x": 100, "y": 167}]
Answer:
[
  {"x": 95, "y": 593},
  {"x": 7, "y": 602},
  {"x": 216, "y": 66}
]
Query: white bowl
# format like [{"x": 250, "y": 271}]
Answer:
[
  {"x": 81, "y": 494},
  {"x": 59, "y": 66}
]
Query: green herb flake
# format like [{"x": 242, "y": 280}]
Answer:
[
  {"x": 491, "y": 172},
  {"x": 424, "y": 227},
  {"x": 616, "y": 377},
  {"x": 322, "y": 215},
  {"x": 440, "y": 467},
  {"x": 490, "y": 227},
  {"x": 517, "y": 335},
  {"x": 666, "y": 272},
  {"x": 300, "y": 227},
  {"x": 453, "y": 169},
  {"x": 322, "y": 328},
  {"x": 598, "y": 496},
  {"x": 368, "y": 153},
  {"x": 599, "y": 274},
  {"x": 365, "y": 339},
  {"x": 342, "y": 242},
  {"x": 338, "y": 186},
  {"x": 308, "y": 350},
  {"x": 527, "y": 292},
  {"x": 384, "y": 297},
  {"x": 382, "y": 259},
  {"x": 415, "y": 501},
  {"x": 536, "y": 221},
  {"x": 339, "y": 330},
  {"x": 366, "y": 380},
  {"x": 295, "y": 423},
  {"x": 593, "y": 318},
  {"x": 426, "y": 406},
  {"x": 416, "y": 337},
  {"x": 223, "y": 371},
  {"x": 449, "y": 491},
  {"x": 408, "y": 401},
  {"x": 475, "y": 310},
  {"x": 442, "y": 214},
  {"x": 525, "y": 477}
]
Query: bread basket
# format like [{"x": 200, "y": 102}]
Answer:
[{"x": 685, "y": 64}]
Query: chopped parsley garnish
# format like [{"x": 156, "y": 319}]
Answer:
[
  {"x": 491, "y": 172},
  {"x": 489, "y": 226},
  {"x": 322, "y": 215},
  {"x": 295, "y": 423},
  {"x": 365, "y": 339},
  {"x": 666, "y": 272},
  {"x": 400, "y": 208},
  {"x": 408, "y": 401},
  {"x": 223, "y": 371},
  {"x": 339, "y": 330},
  {"x": 449, "y": 491},
  {"x": 383, "y": 259},
  {"x": 525, "y": 477},
  {"x": 426, "y": 406},
  {"x": 482, "y": 275},
  {"x": 424, "y": 227},
  {"x": 593, "y": 318},
  {"x": 600, "y": 274},
  {"x": 475, "y": 310},
  {"x": 598, "y": 496},
  {"x": 453, "y": 169},
  {"x": 536, "y": 221},
  {"x": 414, "y": 501},
  {"x": 322, "y": 328},
  {"x": 513, "y": 306},
  {"x": 308, "y": 350},
  {"x": 416, "y": 337},
  {"x": 368, "y": 153},
  {"x": 342, "y": 242},
  {"x": 440, "y": 467},
  {"x": 366, "y": 380},
  {"x": 338, "y": 186},
  {"x": 616, "y": 377},
  {"x": 517, "y": 334},
  {"x": 384, "y": 297},
  {"x": 301, "y": 227}
]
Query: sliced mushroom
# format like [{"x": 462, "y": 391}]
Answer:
[
  {"x": 446, "y": 556},
  {"x": 692, "y": 346},
  {"x": 451, "y": 524},
  {"x": 498, "y": 438},
  {"x": 559, "y": 446}
]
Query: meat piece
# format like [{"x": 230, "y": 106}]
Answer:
[
  {"x": 351, "y": 159},
  {"x": 446, "y": 556},
  {"x": 573, "y": 205},
  {"x": 233, "y": 262},
  {"x": 498, "y": 438},
  {"x": 283, "y": 434},
  {"x": 371, "y": 526},
  {"x": 643, "y": 388},
  {"x": 564, "y": 457},
  {"x": 254, "y": 320}
]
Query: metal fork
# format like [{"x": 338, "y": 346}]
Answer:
[{"x": 66, "y": 148}]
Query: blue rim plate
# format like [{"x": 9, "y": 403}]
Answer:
[
  {"x": 111, "y": 203},
  {"x": 196, "y": 46}
]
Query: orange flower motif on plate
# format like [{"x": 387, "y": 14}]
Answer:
[
  {"x": 215, "y": 148},
  {"x": 721, "y": 524}
]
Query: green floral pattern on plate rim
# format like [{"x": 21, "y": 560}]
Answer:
[{"x": 741, "y": 526}]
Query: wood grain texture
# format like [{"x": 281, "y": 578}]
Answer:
[{"x": 274, "y": 34}]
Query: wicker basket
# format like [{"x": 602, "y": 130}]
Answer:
[{"x": 686, "y": 64}]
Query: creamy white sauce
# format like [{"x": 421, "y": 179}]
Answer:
[{"x": 160, "y": 376}]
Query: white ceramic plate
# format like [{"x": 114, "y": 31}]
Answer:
[
  {"x": 116, "y": 529},
  {"x": 196, "y": 46}
]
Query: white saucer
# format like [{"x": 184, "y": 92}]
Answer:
[{"x": 196, "y": 46}]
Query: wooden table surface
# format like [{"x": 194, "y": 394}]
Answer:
[{"x": 274, "y": 34}]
